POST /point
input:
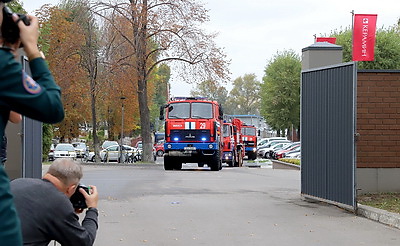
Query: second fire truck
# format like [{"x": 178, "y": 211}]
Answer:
[{"x": 233, "y": 143}]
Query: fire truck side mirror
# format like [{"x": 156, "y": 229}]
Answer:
[
  {"x": 162, "y": 112},
  {"x": 221, "y": 113}
]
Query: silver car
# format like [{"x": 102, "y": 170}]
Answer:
[
  {"x": 112, "y": 153},
  {"x": 64, "y": 150}
]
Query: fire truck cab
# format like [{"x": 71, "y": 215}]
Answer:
[
  {"x": 249, "y": 136},
  {"x": 233, "y": 150},
  {"x": 192, "y": 133}
]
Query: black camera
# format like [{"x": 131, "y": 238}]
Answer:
[
  {"x": 77, "y": 199},
  {"x": 9, "y": 29}
]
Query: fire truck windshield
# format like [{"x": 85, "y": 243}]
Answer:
[
  {"x": 179, "y": 111},
  {"x": 226, "y": 131},
  {"x": 185, "y": 110},
  {"x": 202, "y": 111},
  {"x": 248, "y": 131}
]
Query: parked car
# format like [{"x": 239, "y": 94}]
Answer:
[
  {"x": 159, "y": 148},
  {"x": 113, "y": 153},
  {"x": 294, "y": 154},
  {"x": 50, "y": 155},
  {"x": 82, "y": 151},
  {"x": 265, "y": 141},
  {"x": 270, "y": 143},
  {"x": 280, "y": 153},
  {"x": 108, "y": 143},
  {"x": 64, "y": 150},
  {"x": 139, "y": 148},
  {"x": 264, "y": 150}
]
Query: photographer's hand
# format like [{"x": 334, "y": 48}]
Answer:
[
  {"x": 29, "y": 36},
  {"x": 93, "y": 198}
]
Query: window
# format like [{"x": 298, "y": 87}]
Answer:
[
  {"x": 226, "y": 130},
  {"x": 248, "y": 131},
  {"x": 179, "y": 111},
  {"x": 202, "y": 111}
]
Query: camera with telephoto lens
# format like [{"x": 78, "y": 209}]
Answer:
[
  {"x": 77, "y": 199},
  {"x": 9, "y": 28}
]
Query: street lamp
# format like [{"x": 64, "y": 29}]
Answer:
[{"x": 121, "y": 157}]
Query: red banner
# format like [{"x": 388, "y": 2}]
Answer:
[
  {"x": 326, "y": 39},
  {"x": 364, "y": 37}
]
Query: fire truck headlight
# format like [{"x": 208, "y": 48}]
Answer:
[
  {"x": 254, "y": 149},
  {"x": 169, "y": 146},
  {"x": 203, "y": 139},
  {"x": 210, "y": 146},
  {"x": 176, "y": 139}
]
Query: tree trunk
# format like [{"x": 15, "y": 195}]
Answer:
[
  {"x": 145, "y": 122},
  {"x": 94, "y": 120},
  {"x": 141, "y": 52}
]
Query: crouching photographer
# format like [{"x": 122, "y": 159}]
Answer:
[{"x": 47, "y": 207}]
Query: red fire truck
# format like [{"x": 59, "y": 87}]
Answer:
[
  {"x": 249, "y": 136},
  {"x": 233, "y": 145},
  {"x": 192, "y": 133}
]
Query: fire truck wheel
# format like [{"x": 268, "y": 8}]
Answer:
[
  {"x": 168, "y": 165},
  {"x": 216, "y": 163},
  {"x": 252, "y": 156}
]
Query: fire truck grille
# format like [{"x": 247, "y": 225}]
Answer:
[
  {"x": 248, "y": 143},
  {"x": 190, "y": 135}
]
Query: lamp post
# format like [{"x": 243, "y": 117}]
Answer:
[{"x": 121, "y": 159}]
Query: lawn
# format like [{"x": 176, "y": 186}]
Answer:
[{"x": 386, "y": 201}]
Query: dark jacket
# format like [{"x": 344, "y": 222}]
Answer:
[
  {"x": 47, "y": 214},
  {"x": 38, "y": 98}
]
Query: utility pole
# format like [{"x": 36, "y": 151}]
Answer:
[{"x": 121, "y": 157}]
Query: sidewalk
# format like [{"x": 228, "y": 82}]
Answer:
[
  {"x": 379, "y": 215},
  {"x": 376, "y": 214}
]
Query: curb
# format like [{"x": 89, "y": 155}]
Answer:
[
  {"x": 276, "y": 164},
  {"x": 379, "y": 215}
]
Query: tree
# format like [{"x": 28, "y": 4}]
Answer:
[
  {"x": 387, "y": 48},
  {"x": 63, "y": 39},
  {"x": 280, "y": 91},
  {"x": 17, "y": 7},
  {"x": 163, "y": 31},
  {"x": 161, "y": 86},
  {"x": 244, "y": 97},
  {"x": 89, "y": 52},
  {"x": 212, "y": 90}
]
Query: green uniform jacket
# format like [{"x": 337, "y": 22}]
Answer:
[{"x": 38, "y": 98}]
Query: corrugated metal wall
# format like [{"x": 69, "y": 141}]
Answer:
[{"x": 327, "y": 133}]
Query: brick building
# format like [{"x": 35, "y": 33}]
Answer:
[{"x": 378, "y": 126}]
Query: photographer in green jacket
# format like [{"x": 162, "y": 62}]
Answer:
[{"x": 37, "y": 97}]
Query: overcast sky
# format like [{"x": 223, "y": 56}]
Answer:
[{"x": 252, "y": 31}]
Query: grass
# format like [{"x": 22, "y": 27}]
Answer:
[
  {"x": 291, "y": 161},
  {"x": 386, "y": 201}
]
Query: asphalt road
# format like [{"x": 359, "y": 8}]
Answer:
[{"x": 145, "y": 205}]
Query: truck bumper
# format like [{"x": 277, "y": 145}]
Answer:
[{"x": 227, "y": 156}]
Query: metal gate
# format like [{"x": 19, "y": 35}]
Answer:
[{"x": 328, "y": 125}]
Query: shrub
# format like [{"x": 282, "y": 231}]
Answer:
[{"x": 292, "y": 161}]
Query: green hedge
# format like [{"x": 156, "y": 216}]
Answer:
[{"x": 292, "y": 161}]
